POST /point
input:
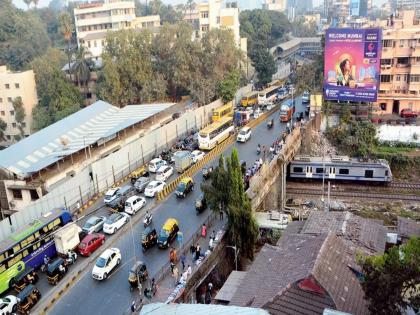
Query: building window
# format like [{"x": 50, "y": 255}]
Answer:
[
  {"x": 218, "y": 19},
  {"x": 402, "y": 42},
  {"x": 386, "y": 78},
  {"x": 205, "y": 14},
  {"x": 12, "y": 113},
  {"x": 1, "y": 100},
  {"x": 23, "y": 124},
  {"x": 383, "y": 106},
  {"x": 8, "y": 137},
  {"x": 415, "y": 78},
  {"x": 34, "y": 194},
  {"x": 17, "y": 194},
  {"x": 14, "y": 125},
  {"x": 17, "y": 85},
  {"x": 94, "y": 43},
  {"x": 204, "y": 28},
  {"x": 103, "y": 43},
  {"x": 387, "y": 43},
  {"x": 386, "y": 62},
  {"x": 398, "y": 77},
  {"x": 9, "y": 99},
  {"x": 7, "y": 86},
  {"x": 89, "y": 43},
  {"x": 2, "y": 113}
]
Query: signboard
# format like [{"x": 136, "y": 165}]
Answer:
[{"x": 352, "y": 64}]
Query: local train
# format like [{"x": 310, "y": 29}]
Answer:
[{"x": 340, "y": 168}]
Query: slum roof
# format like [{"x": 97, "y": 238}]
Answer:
[
  {"x": 294, "y": 227},
  {"x": 230, "y": 286},
  {"x": 365, "y": 234},
  {"x": 97, "y": 122},
  {"x": 304, "y": 274},
  {"x": 202, "y": 309},
  {"x": 407, "y": 227}
]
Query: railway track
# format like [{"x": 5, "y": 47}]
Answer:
[
  {"x": 347, "y": 194},
  {"x": 405, "y": 185},
  {"x": 360, "y": 186}
]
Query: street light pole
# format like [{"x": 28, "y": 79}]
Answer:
[{"x": 236, "y": 256}]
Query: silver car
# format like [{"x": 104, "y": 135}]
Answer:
[
  {"x": 93, "y": 225},
  {"x": 141, "y": 183}
]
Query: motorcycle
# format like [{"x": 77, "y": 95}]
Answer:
[
  {"x": 258, "y": 150},
  {"x": 71, "y": 258},
  {"x": 147, "y": 220}
]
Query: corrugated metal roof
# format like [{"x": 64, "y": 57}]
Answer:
[
  {"x": 79, "y": 130},
  {"x": 202, "y": 309},
  {"x": 229, "y": 287}
]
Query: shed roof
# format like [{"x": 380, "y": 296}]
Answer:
[
  {"x": 408, "y": 227},
  {"x": 230, "y": 286},
  {"x": 98, "y": 121},
  {"x": 202, "y": 309}
]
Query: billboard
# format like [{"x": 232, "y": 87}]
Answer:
[{"x": 352, "y": 64}]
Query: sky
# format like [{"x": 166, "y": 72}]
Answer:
[{"x": 243, "y": 4}]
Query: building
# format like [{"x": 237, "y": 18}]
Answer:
[
  {"x": 303, "y": 274},
  {"x": 405, "y": 4},
  {"x": 17, "y": 85},
  {"x": 174, "y": 308},
  {"x": 275, "y": 5},
  {"x": 400, "y": 64},
  {"x": 151, "y": 22},
  {"x": 407, "y": 228},
  {"x": 339, "y": 10},
  {"x": 94, "y": 20}
]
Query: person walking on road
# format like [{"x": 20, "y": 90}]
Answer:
[
  {"x": 175, "y": 274},
  {"x": 183, "y": 261},
  {"x": 203, "y": 230},
  {"x": 192, "y": 250},
  {"x": 172, "y": 268},
  {"x": 189, "y": 270},
  {"x": 197, "y": 252},
  {"x": 133, "y": 307}
]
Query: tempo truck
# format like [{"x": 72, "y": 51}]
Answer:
[{"x": 183, "y": 160}]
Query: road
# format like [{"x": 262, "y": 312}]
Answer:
[{"x": 88, "y": 296}]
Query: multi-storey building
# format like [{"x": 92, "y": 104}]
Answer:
[
  {"x": 405, "y": 4},
  {"x": 275, "y": 5},
  {"x": 93, "y": 20},
  {"x": 400, "y": 64},
  {"x": 341, "y": 9},
  {"x": 15, "y": 85}
]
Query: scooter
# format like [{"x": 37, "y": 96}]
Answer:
[
  {"x": 258, "y": 150},
  {"x": 147, "y": 220},
  {"x": 71, "y": 258}
]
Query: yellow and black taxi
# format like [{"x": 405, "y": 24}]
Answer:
[
  {"x": 141, "y": 172},
  {"x": 168, "y": 233},
  {"x": 184, "y": 187}
]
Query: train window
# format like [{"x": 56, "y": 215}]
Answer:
[
  {"x": 368, "y": 174},
  {"x": 297, "y": 170},
  {"x": 386, "y": 173},
  {"x": 319, "y": 170},
  {"x": 343, "y": 171}
]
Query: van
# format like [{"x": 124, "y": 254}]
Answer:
[
  {"x": 168, "y": 233},
  {"x": 164, "y": 172},
  {"x": 155, "y": 164},
  {"x": 244, "y": 135},
  {"x": 134, "y": 204}
]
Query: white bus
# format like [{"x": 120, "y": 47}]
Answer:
[
  {"x": 267, "y": 95},
  {"x": 215, "y": 133}
]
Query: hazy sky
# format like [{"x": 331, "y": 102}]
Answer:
[{"x": 243, "y": 4}]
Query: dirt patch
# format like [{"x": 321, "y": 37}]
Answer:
[{"x": 319, "y": 145}]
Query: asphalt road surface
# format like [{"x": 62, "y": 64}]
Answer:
[{"x": 112, "y": 296}]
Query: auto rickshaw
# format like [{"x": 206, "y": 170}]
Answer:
[
  {"x": 148, "y": 238},
  {"x": 270, "y": 123},
  {"x": 138, "y": 273},
  {"x": 139, "y": 173},
  {"x": 27, "y": 298},
  {"x": 56, "y": 271},
  {"x": 207, "y": 172},
  {"x": 29, "y": 276},
  {"x": 200, "y": 204}
]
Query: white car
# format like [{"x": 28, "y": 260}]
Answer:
[
  {"x": 105, "y": 263},
  {"x": 111, "y": 194},
  {"x": 155, "y": 164},
  {"x": 244, "y": 134},
  {"x": 153, "y": 188},
  {"x": 197, "y": 155},
  {"x": 8, "y": 304},
  {"x": 134, "y": 204},
  {"x": 114, "y": 222},
  {"x": 164, "y": 172}
]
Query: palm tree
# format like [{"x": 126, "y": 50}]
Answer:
[
  {"x": 66, "y": 28},
  {"x": 28, "y": 3},
  {"x": 81, "y": 69}
]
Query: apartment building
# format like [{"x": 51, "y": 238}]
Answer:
[
  {"x": 275, "y": 5},
  {"x": 16, "y": 85},
  {"x": 400, "y": 64},
  {"x": 94, "y": 20},
  {"x": 341, "y": 9},
  {"x": 207, "y": 15},
  {"x": 405, "y": 4},
  {"x": 151, "y": 22}
]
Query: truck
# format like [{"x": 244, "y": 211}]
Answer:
[
  {"x": 287, "y": 110},
  {"x": 67, "y": 238},
  {"x": 183, "y": 160}
]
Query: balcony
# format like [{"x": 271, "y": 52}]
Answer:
[
  {"x": 415, "y": 69},
  {"x": 403, "y": 51},
  {"x": 416, "y": 52},
  {"x": 387, "y": 53}
]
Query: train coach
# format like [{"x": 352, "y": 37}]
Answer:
[{"x": 340, "y": 168}]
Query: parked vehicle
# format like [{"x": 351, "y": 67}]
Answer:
[
  {"x": 184, "y": 187},
  {"x": 108, "y": 260},
  {"x": 8, "y": 305},
  {"x": 138, "y": 273},
  {"x": 122, "y": 195},
  {"x": 287, "y": 110},
  {"x": 141, "y": 184},
  {"x": 90, "y": 243},
  {"x": 153, "y": 188},
  {"x": 207, "y": 170},
  {"x": 167, "y": 156},
  {"x": 299, "y": 116},
  {"x": 56, "y": 271},
  {"x": 148, "y": 238},
  {"x": 164, "y": 173},
  {"x": 244, "y": 134},
  {"x": 27, "y": 298},
  {"x": 141, "y": 172},
  {"x": 408, "y": 113},
  {"x": 114, "y": 222},
  {"x": 270, "y": 123},
  {"x": 257, "y": 113},
  {"x": 67, "y": 238},
  {"x": 27, "y": 277},
  {"x": 200, "y": 204},
  {"x": 168, "y": 233},
  {"x": 305, "y": 97},
  {"x": 197, "y": 155},
  {"x": 134, "y": 204},
  {"x": 183, "y": 160},
  {"x": 94, "y": 224},
  {"x": 148, "y": 218},
  {"x": 155, "y": 164},
  {"x": 111, "y": 194}
]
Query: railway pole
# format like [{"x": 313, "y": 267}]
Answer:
[{"x": 329, "y": 189}]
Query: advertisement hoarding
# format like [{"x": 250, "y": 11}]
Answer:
[{"x": 352, "y": 64}]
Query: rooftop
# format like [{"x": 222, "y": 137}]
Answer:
[
  {"x": 408, "y": 227},
  {"x": 98, "y": 122},
  {"x": 202, "y": 309},
  {"x": 230, "y": 286}
]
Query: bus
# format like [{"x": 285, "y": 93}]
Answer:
[
  {"x": 250, "y": 99},
  {"x": 215, "y": 133},
  {"x": 222, "y": 111},
  {"x": 267, "y": 95},
  {"x": 28, "y": 245}
]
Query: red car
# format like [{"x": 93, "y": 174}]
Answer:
[
  {"x": 408, "y": 113},
  {"x": 90, "y": 243}
]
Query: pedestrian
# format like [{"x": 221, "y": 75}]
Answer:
[
  {"x": 154, "y": 287},
  {"x": 210, "y": 287},
  {"x": 203, "y": 230},
  {"x": 211, "y": 244},
  {"x": 221, "y": 214},
  {"x": 192, "y": 250},
  {"x": 183, "y": 261},
  {"x": 176, "y": 275},
  {"x": 197, "y": 251},
  {"x": 189, "y": 270},
  {"x": 213, "y": 235},
  {"x": 172, "y": 268},
  {"x": 133, "y": 307}
]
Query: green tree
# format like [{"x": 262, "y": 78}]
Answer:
[
  {"x": 81, "y": 69},
  {"x": 28, "y": 3},
  {"x": 391, "y": 281},
  {"x": 226, "y": 89},
  {"x": 19, "y": 114},
  {"x": 190, "y": 5},
  {"x": 66, "y": 29},
  {"x": 3, "y": 126},
  {"x": 264, "y": 64}
]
